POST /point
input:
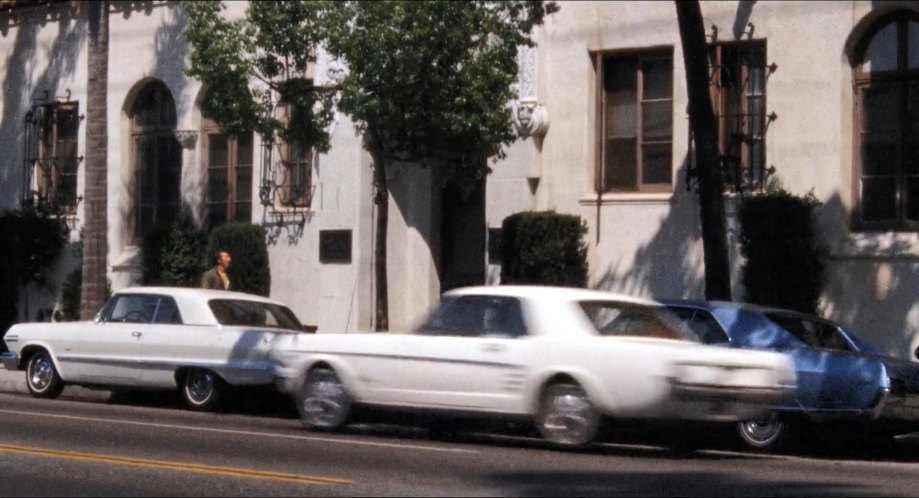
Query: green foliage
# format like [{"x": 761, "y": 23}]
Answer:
[
  {"x": 428, "y": 81},
  {"x": 173, "y": 252},
  {"x": 249, "y": 270},
  {"x": 183, "y": 252},
  {"x": 544, "y": 248},
  {"x": 268, "y": 50},
  {"x": 33, "y": 239},
  {"x": 784, "y": 260}
]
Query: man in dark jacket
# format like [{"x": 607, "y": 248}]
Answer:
[{"x": 216, "y": 277}]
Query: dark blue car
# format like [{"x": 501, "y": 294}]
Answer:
[{"x": 840, "y": 375}]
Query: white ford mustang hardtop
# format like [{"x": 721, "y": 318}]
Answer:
[{"x": 564, "y": 358}]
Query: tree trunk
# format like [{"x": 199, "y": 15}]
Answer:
[
  {"x": 704, "y": 129},
  {"x": 381, "y": 198},
  {"x": 95, "y": 207}
]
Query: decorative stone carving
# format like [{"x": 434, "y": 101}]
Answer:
[
  {"x": 188, "y": 138},
  {"x": 530, "y": 117}
]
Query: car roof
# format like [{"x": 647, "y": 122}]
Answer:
[
  {"x": 193, "y": 292},
  {"x": 540, "y": 292},
  {"x": 716, "y": 305}
]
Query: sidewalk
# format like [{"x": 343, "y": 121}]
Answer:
[{"x": 15, "y": 382}]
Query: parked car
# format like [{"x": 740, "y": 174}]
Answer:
[
  {"x": 841, "y": 376},
  {"x": 564, "y": 358},
  {"x": 195, "y": 340}
]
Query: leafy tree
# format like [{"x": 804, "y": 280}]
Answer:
[
  {"x": 704, "y": 131},
  {"x": 427, "y": 82}
]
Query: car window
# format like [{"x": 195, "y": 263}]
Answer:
[
  {"x": 476, "y": 316},
  {"x": 814, "y": 333},
  {"x": 702, "y": 324},
  {"x": 131, "y": 308},
  {"x": 239, "y": 312},
  {"x": 613, "y": 318},
  {"x": 167, "y": 312}
]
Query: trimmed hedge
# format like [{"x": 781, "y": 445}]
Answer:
[
  {"x": 784, "y": 260},
  {"x": 249, "y": 270},
  {"x": 174, "y": 252},
  {"x": 544, "y": 248}
]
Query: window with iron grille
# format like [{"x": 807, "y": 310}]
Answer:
[
  {"x": 886, "y": 179},
  {"x": 296, "y": 186},
  {"x": 738, "y": 87},
  {"x": 636, "y": 122},
  {"x": 51, "y": 159}
]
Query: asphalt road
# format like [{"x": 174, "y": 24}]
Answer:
[{"x": 148, "y": 446}]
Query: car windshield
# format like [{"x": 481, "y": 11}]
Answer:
[
  {"x": 240, "y": 312},
  {"x": 613, "y": 318}
]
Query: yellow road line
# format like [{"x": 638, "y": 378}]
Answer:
[{"x": 167, "y": 465}]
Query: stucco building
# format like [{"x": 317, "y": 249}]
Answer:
[{"x": 823, "y": 95}]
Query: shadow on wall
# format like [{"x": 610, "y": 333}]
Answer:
[
  {"x": 669, "y": 265},
  {"x": 871, "y": 287},
  {"x": 21, "y": 84}
]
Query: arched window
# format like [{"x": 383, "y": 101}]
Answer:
[
  {"x": 157, "y": 159},
  {"x": 887, "y": 124}
]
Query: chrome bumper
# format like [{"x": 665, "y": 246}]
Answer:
[
  {"x": 736, "y": 394},
  {"x": 9, "y": 360}
]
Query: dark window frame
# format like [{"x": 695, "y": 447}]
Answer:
[
  {"x": 235, "y": 205},
  {"x": 900, "y": 82},
  {"x": 605, "y": 178}
]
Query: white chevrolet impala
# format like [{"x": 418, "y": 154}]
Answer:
[
  {"x": 195, "y": 340},
  {"x": 565, "y": 358}
]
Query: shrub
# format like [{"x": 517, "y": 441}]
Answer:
[
  {"x": 784, "y": 260},
  {"x": 249, "y": 271},
  {"x": 544, "y": 248},
  {"x": 71, "y": 292},
  {"x": 173, "y": 253}
]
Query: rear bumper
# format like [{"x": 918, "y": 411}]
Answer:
[
  {"x": 735, "y": 394},
  {"x": 9, "y": 360}
]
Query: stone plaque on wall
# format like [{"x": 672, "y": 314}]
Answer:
[{"x": 335, "y": 246}]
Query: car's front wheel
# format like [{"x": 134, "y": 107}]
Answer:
[
  {"x": 323, "y": 403},
  {"x": 42, "y": 378},
  {"x": 566, "y": 416},
  {"x": 765, "y": 433},
  {"x": 202, "y": 389}
]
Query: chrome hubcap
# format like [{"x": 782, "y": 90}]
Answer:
[
  {"x": 762, "y": 430},
  {"x": 569, "y": 418},
  {"x": 325, "y": 402},
  {"x": 200, "y": 385},
  {"x": 41, "y": 373}
]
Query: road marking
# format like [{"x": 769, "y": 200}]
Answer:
[
  {"x": 167, "y": 465},
  {"x": 246, "y": 433}
]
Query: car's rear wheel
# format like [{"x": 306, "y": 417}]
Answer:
[
  {"x": 765, "y": 433},
  {"x": 566, "y": 416},
  {"x": 42, "y": 378},
  {"x": 323, "y": 403},
  {"x": 202, "y": 389}
]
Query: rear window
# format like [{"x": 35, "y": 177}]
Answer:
[
  {"x": 613, "y": 318},
  {"x": 239, "y": 312}
]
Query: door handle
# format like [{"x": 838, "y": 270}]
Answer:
[
  {"x": 492, "y": 348},
  {"x": 136, "y": 334}
]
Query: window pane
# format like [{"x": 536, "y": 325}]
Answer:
[
  {"x": 621, "y": 97},
  {"x": 216, "y": 214},
  {"x": 217, "y": 149},
  {"x": 882, "y": 51},
  {"x": 657, "y": 120},
  {"x": 620, "y": 172},
  {"x": 879, "y": 158},
  {"x": 879, "y": 199},
  {"x": 217, "y": 185},
  {"x": 244, "y": 183},
  {"x": 880, "y": 110},
  {"x": 912, "y": 198},
  {"x": 913, "y": 50},
  {"x": 657, "y": 80},
  {"x": 656, "y": 163},
  {"x": 244, "y": 149},
  {"x": 756, "y": 116}
]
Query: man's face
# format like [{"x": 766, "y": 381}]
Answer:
[{"x": 223, "y": 260}]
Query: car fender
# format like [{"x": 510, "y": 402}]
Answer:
[
  {"x": 36, "y": 344},
  {"x": 345, "y": 373},
  {"x": 585, "y": 379}
]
